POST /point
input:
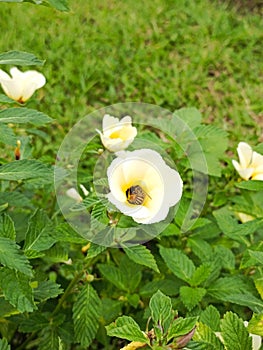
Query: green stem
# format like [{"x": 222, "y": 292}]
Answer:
[{"x": 67, "y": 292}]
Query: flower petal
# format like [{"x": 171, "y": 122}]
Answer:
[{"x": 245, "y": 154}]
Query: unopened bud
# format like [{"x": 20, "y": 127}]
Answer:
[{"x": 17, "y": 150}]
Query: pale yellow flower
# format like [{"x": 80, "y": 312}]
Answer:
[
  {"x": 250, "y": 166},
  {"x": 243, "y": 217},
  {"x": 21, "y": 85},
  {"x": 117, "y": 134},
  {"x": 134, "y": 345},
  {"x": 143, "y": 186}
]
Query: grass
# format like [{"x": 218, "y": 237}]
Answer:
[{"x": 202, "y": 53}]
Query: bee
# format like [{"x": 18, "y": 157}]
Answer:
[{"x": 136, "y": 195}]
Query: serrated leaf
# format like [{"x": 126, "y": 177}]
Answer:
[
  {"x": 7, "y": 136},
  {"x": 234, "y": 333},
  {"x": 4, "y": 344},
  {"x": 6, "y": 99},
  {"x": 95, "y": 250},
  {"x": 12, "y": 257},
  {"x": 161, "y": 310},
  {"x": 111, "y": 309},
  {"x": 256, "y": 255},
  {"x": 47, "y": 290},
  {"x": 166, "y": 286},
  {"x": 65, "y": 233},
  {"x": 15, "y": 199},
  {"x": 255, "y": 324},
  {"x": 126, "y": 328},
  {"x": 38, "y": 236},
  {"x": 33, "y": 322},
  {"x": 20, "y": 58},
  {"x": 191, "y": 296},
  {"x": 141, "y": 255},
  {"x": 57, "y": 253},
  {"x": 200, "y": 275},
  {"x": 178, "y": 263},
  {"x": 191, "y": 116},
  {"x": 227, "y": 257},
  {"x": 126, "y": 276},
  {"x": 21, "y": 115},
  {"x": 211, "y": 317},
  {"x": 26, "y": 169},
  {"x": 181, "y": 326},
  {"x": 251, "y": 185},
  {"x": 49, "y": 339},
  {"x": 7, "y": 227},
  {"x": 86, "y": 314},
  {"x": 247, "y": 300},
  {"x": 205, "y": 335},
  {"x": 200, "y": 248},
  {"x": 17, "y": 290}
]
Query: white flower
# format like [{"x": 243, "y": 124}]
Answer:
[
  {"x": 143, "y": 176},
  {"x": 21, "y": 85},
  {"x": 73, "y": 193},
  {"x": 117, "y": 134},
  {"x": 250, "y": 164}
]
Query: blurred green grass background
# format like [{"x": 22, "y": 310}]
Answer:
[{"x": 179, "y": 53}]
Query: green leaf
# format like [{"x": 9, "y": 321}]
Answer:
[
  {"x": 38, "y": 236},
  {"x": 6, "y": 99},
  {"x": 234, "y": 333},
  {"x": 251, "y": 185},
  {"x": 126, "y": 328},
  {"x": 20, "y": 58},
  {"x": 26, "y": 169},
  {"x": 181, "y": 326},
  {"x": 161, "y": 310},
  {"x": 257, "y": 256},
  {"x": 33, "y": 322},
  {"x": 49, "y": 339},
  {"x": 191, "y": 116},
  {"x": 17, "y": 290},
  {"x": 126, "y": 276},
  {"x": 191, "y": 296},
  {"x": 57, "y": 253},
  {"x": 61, "y": 5},
  {"x": 227, "y": 257},
  {"x": 255, "y": 324},
  {"x": 65, "y": 233},
  {"x": 47, "y": 290},
  {"x": 167, "y": 286},
  {"x": 200, "y": 248},
  {"x": 211, "y": 317},
  {"x": 22, "y": 115},
  {"x": 7, "y": 227},
  {"x": 95, "y": 250},
  {"x": 200, "y": 275},
  {"x": 205, "y": 335},
  {"x": 141, "y": 255},
  {"x": 7, "y": 136},
  {"x": 178, "y": 263},
  {"x": 4, "y": 344},
  {"x": 235, "y": 290},
  {"x": 86, "y": 313},
  {"x": 15, "y": 199},
  {"x": 12, "y": 257}
]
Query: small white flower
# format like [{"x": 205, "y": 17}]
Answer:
[
  {"x": 143, "y": 177},
  {"x": 250, "y": 164},
  {"x": 21, "y": 85},
  {"x": 73, "y": 193},
  {"x": 117, "y": 134}
]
